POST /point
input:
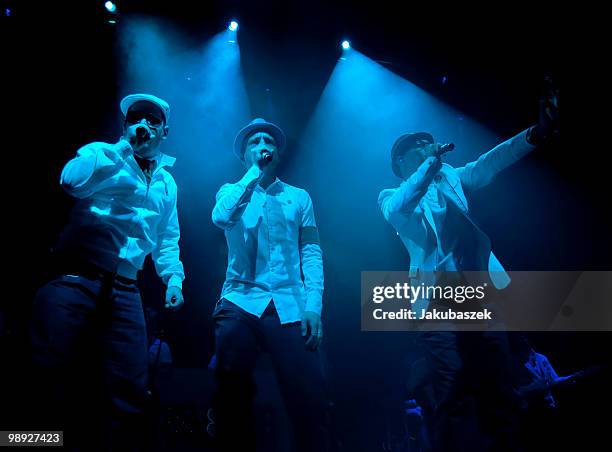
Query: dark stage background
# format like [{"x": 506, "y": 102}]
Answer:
[{"x": 65, "y": 69}]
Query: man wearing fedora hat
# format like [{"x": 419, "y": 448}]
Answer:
[
  {"x": 272, "y": 297},
  {"x": 429, "y": 211},
  {"x": 126, "y": 209}
]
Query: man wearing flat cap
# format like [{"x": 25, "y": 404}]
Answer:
[
  {"x": 429, "y": 211},
  {"x": 126, "y": 209},
  {"x": 271, "y": 300}
]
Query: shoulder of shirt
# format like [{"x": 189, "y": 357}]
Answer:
[
  {"x": 226, "y": 185},
  {"x": 294, "y": 189},
  {"x": 540, "y": 356},
  {"x": 298, "y": 194},
  {"x": 386, "y": 193},
  {"x": 98, "y": 145},
  {"x": 449, "y": 171},
  {"x": 167, "y": 175}
]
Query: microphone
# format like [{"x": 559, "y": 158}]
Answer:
[
  {"x": 266, "y": 156},
  {"x": 443, "y": 149},
  {"x": 142, "y": 133}
]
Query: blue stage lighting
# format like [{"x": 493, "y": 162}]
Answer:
[
  {"x": 110, "y": 6},
  {"x": 233, "y": 26},
  {"x": 346, "y": 45}
]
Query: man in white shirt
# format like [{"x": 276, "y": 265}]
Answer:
[
  {"x": 429, "y": 211},
  {"x": 272, "y": 297},
  {"x": 125, "y": 210}
]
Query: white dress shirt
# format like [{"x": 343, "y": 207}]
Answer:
[
  {"x": 272, "y": 241},
  {"x": 120, "y": 217}
]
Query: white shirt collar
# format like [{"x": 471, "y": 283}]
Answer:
[
  {"x": 165, "y": 160},
  {"x": 276, "y": 181}
]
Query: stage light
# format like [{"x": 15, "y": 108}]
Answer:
[
  {"x": 233, "y": 26},
  {"x": 110, "y": 7},
  {"x": 346, "y": 45}
]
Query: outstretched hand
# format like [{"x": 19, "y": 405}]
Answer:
[{"x": 548, "y": 120}]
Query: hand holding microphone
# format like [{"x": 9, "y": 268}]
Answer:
[
  {"x": 436, "y": 150},
  {"x": 266, "y": 156},
  {"x": 142, "y": 134},
  {"x": 442, "y": 149},
  {"x": 261, "y": 157},
  {"x": 137, "y": 135}
]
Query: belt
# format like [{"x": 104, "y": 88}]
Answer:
[{"x": 91, "y": 271}]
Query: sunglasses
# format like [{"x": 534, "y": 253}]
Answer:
[{"x": 134, "y": 117}]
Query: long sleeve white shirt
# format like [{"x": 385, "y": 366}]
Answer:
[
  {"x": 273, "y": 247},
  {"x": 120, "y": 217}
]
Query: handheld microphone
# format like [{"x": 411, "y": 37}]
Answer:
[
  {"x": 142, "y": 133},
  {"x": 267, "y": 156},
  {"x": 443, "y": 149}
]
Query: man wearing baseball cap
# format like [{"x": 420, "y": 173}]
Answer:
[
  {"x": 429, "y": 211},
  {"x": 126, "y": 209},
  {"x": 272, "y": 297}
]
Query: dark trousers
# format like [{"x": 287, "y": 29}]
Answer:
[
  {"x": 475, "y": 409},
  {"x": 89, "y": 346},
  {"x": 240, "y": 337}
]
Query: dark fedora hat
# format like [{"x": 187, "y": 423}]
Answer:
[
  {"x": 258, "y": 125},
  {"x": 405, "y": 142}
]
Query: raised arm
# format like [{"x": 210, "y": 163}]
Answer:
[
  {"x": 407, "y": 197},
  {"x": 95, "y": 163},
  {"x": 232, "y": 199},
  {"x": 482, "y": 171}
]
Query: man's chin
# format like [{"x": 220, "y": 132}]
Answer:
[{"x": 147, "y": 153}]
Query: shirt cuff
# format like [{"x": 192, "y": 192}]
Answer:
[
  {"x": 523, "y": 146},
  {"x": 314, "y": 302},
  {"x": 175, "y": 281},
  {"x": 532, "y": 136}
]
